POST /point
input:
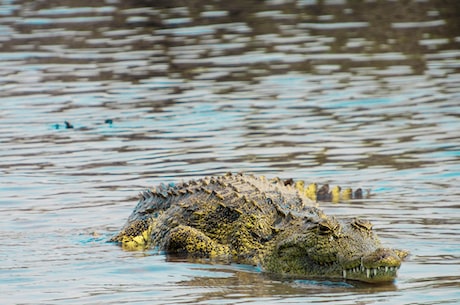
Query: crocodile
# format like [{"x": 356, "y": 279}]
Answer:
[{"x": 271, "y": 223}]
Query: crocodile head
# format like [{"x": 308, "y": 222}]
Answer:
[{"x": 315, "y": 245}]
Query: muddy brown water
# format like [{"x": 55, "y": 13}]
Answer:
[{"x": 356, "y": 93}]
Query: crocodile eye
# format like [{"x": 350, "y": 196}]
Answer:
[
  {"x": 323, "y": 228},
  {"x": 326, "y": 227},
  {"x": 362, "y": 224}
]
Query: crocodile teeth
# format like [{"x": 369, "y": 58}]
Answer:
[{"x": 369, "y": 271}]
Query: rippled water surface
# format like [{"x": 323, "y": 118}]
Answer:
[{"x": 356, "y": 93}]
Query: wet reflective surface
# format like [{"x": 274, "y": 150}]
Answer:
[{"x": 354, "y": 93}]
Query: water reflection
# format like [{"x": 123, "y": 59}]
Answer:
[
  {"x": 202, "y": 41},
  {"x": 243, "y": 282},
  {"x": 353, "y": 93}
]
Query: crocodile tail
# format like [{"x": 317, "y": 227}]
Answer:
[{"x": 325, "y": 193}]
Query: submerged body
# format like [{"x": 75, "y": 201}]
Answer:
[{"x": 252, "y": 220}]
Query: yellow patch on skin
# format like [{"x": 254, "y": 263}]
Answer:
[
  {"x": 140, "y": 241},
  {"x": 347, "y": 194},
  {"x": 335, "y": 194},
  {"x": 300, "y": 186},
  {"x": 311, "y": 191}
]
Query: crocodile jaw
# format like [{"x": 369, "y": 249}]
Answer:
[
  {"x": 371, "y": 275},
  {"x": 380, "y": 266}
]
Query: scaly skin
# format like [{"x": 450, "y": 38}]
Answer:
[{"x": 252, "y": 220}]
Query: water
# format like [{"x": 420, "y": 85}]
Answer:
[{"x": 352, "y": 93}]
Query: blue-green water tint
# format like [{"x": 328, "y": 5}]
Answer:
[{"x": 337, "y": 92}]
